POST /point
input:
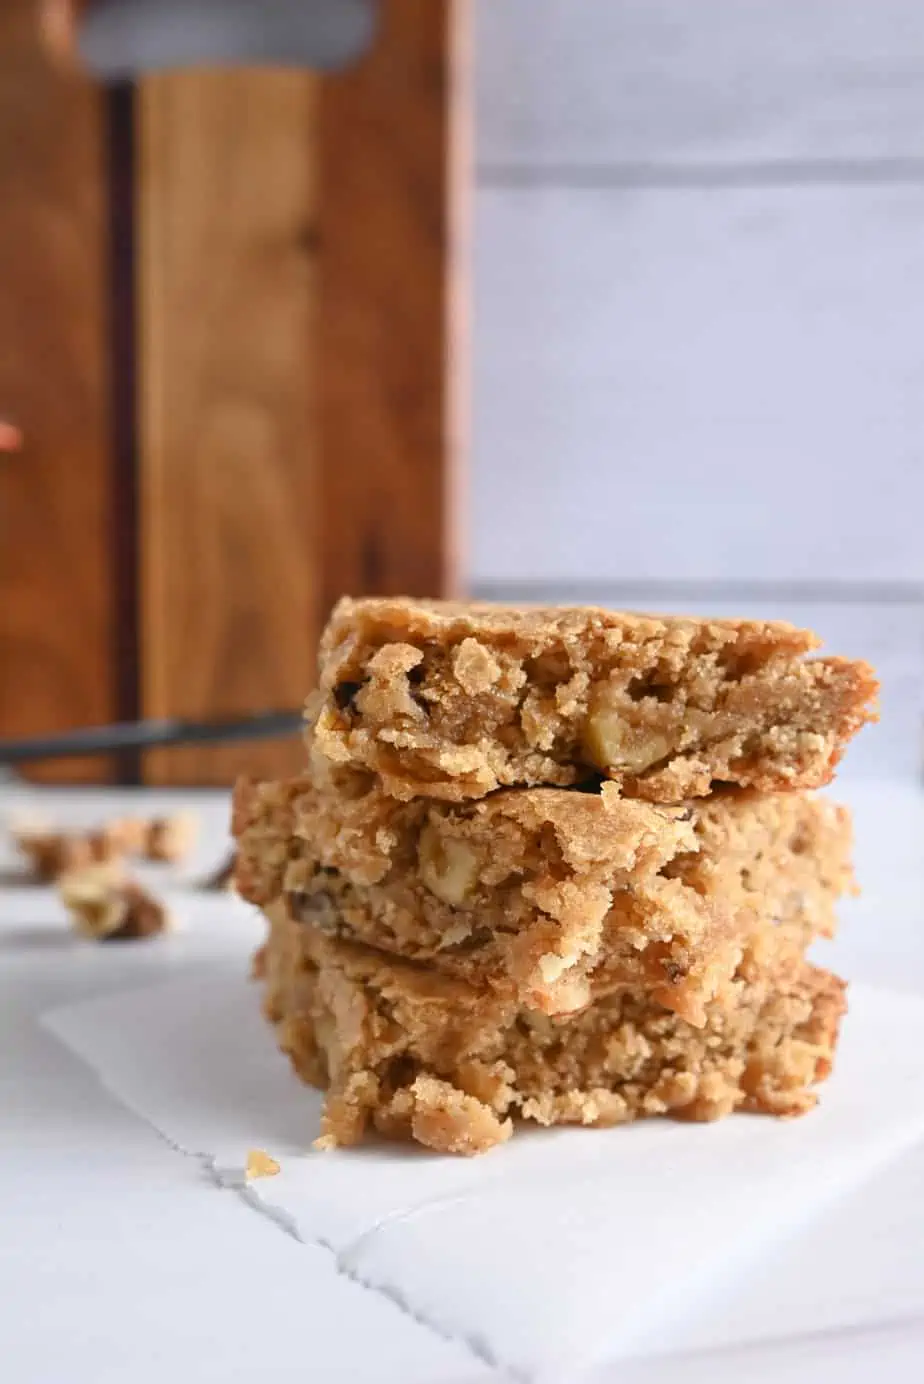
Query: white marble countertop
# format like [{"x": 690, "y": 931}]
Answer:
[{"x": 119, "y": 1260}]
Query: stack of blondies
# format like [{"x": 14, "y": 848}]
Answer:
[{"x": 554, "y": 865}]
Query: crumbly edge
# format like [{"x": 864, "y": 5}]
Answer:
[
  {"x": 551, "y": 896},
  {"x": 415, "y": 1055},
  {"x": 455, "y": 701}
]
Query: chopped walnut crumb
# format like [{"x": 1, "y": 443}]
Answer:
[
  {"x": 130, "y": 833},
  {"x": 156, "y": 838},
  {"x": 106, "y": 905},
  {"x": 53, "y": 853},
  {"x": 170, "y": 838},
  {"x": 260, "y": 1164}
]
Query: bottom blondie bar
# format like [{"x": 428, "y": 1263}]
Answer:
[{"x": 429, "y": 1057}]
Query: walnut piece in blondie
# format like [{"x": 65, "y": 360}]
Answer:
[
  {"x": 452, "y": 700},
  {"x": 419, "y": 1055}
]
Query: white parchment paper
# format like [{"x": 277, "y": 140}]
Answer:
[{"x": 555, "y": 1251}]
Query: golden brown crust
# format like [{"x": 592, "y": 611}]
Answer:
[
  {"x": 551, "y": 895},
  {"x": 452, "y": 700},
  {"x": 420, "y": 1055}
]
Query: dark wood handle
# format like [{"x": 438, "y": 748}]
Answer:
[{"x": 146, "y": 735}]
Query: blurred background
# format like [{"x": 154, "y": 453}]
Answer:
[{"x": 545, "y": 299}]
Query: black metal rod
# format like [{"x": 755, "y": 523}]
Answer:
[{"x": 151, "y": 734}]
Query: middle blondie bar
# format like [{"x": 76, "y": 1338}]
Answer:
[{"x": 550, "y": 896}]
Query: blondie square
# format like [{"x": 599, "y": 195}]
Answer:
[
  {"x": 551, "y": 896},
  {"x": 420, "y": 1055},
  {"x": 452, "y": 700}
]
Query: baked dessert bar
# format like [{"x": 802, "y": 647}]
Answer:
[
  {"x": 453, "y": 700},
  {"x": 421, "y": 1055},
  {"x": 549, "y": 896}
]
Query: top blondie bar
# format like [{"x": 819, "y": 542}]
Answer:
[{"x": 452, "y": 700}]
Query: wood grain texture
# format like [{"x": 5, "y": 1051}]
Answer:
[
  {"x": 228, "y": 541},
  {"x": 390, "y": 169},
  {"x": 57, "y": 637}
]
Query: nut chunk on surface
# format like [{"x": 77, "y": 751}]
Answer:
[
  {"x": 170, "y": 838},
  {"x": 453, "y": 700},
  {"x": 51, "y": 854},
  {"x": 108, "y": 907}
]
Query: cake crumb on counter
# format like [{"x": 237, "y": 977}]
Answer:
[{"x": 260, "y": 1164}]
